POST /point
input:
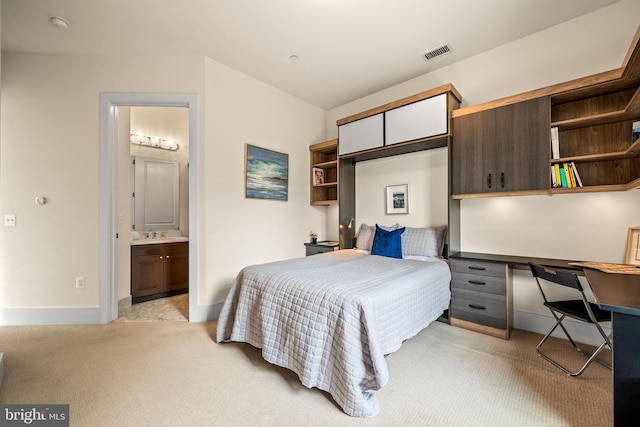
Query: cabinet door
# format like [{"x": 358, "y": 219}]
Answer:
[
  {"x": 360, "y": 135},
  {"x": 473, "y": 153},
  {"x": 147, "y": 275},
  {"x": 418, "y": 120},
  {"x": 522, "y": 147},
  {"x": 176, "y": 271}
]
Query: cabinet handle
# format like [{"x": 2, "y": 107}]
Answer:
[
  {"x": 167, "y": 256},
  {"x": 473, "y": 267},
  {"x": 475, "y": 282},
  {"x": 489, "y": 180},
  {"x": 160, "y": 257},
  {"x": 477, "y": 307},
  {"x": 502, "y": 179}
]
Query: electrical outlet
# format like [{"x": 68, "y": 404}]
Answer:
[
  {"x": 79, "y": 282},
  {"x": 10, "y": 220}
]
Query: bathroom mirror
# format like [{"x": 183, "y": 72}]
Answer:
[{"x": 156, "y": 194}]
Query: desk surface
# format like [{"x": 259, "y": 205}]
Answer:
[{"x": 615, "y": 292}]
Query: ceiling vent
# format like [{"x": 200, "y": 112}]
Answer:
[{"x": 437, "y": 52}]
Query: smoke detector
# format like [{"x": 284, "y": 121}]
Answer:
[
  {"x": 437, "y": 52},
  {"x": 59, "y": 22}
]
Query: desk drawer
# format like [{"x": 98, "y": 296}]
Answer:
[
  {"x": 495, "y": 269},
  {"x": 479, "y": 307},
  {"x": 478, "y": 283}
]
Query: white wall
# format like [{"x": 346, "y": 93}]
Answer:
[
  {"x": 239, "y": 231},
  {"x": 577, "y": 226},
  {"x": 426, "y": 174},
  {"x": 50, "y": 132}
]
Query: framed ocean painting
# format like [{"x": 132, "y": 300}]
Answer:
[{"x": 266, "y": 173}]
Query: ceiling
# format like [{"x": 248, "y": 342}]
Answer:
[{"x": 346, "y": 49}]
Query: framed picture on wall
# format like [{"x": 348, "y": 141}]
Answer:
[
  {"x": 266, "y": 174},
  {"x": 633, "y": 247},
  {"x": 398, "y": 199}
]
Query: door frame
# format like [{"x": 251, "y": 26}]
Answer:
[{"x": 108, "y": 215}]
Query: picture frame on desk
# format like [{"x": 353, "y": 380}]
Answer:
[{"x": 633, "y": 246}]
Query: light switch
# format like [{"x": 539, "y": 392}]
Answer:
[{"x": 10, "y": 220}]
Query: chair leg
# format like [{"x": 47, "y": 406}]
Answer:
[{"x": 591, "y": 357}]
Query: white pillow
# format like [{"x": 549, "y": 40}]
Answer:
[
  {"x": 366, "y": 233},
  {"x": 428, "y": 242}
]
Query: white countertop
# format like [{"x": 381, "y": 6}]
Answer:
[{"x": 159, "y": 240}]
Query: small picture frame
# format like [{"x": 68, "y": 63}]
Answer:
[
  {"x": 633, "y": 247},
  {"x": 398, "y": 199},
  {"x": 318, "y": 176}
]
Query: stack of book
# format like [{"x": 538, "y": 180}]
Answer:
[{"x": 565, "y": 175}]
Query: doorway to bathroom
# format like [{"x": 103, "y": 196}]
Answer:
[
  {"x": 121, "y": 115},
  {"x": 154, "y": 188}
]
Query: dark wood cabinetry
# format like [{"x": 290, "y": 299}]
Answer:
[
  {"x": 503, "y": 149},
  {"x": 480, "y": 297},
  {"x": 159, "y": 270},
  {"x": 320, "y": 247}
]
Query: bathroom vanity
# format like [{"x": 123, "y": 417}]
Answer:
[{"x": 159, "y": 268}]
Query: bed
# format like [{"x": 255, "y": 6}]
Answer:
[{"x": 331, "y": 318}]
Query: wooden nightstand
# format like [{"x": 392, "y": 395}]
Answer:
[{"x": 321, "y": 247}]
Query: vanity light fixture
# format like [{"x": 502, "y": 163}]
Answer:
[{"x": 154, "y": 142}]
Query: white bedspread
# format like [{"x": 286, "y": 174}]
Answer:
[{"x": 331, "y": 318}]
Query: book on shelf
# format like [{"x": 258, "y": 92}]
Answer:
[
  {"x": 570, "y": 175},
  {"x": 555, "y": 143},
  {"x": 576, "y": 174},
  {"x": 635, "y": 131},
  {"x": 554, "y": 180},
  {"x": 563, "y": 178}
]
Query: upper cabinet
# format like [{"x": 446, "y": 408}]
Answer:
[
  {"x": 362, "y": 134},
  {"x": 504, "y": 147},
  {"x": 417, "y": 120},
  {"x": 502, "y": 150},
  {"x": 414, "y": 123}
]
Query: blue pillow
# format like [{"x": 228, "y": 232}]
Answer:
[{"x": 387, "y": 243}]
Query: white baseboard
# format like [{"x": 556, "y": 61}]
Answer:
[
  {"x": 49, "y": 316},
  {"x": 580, "y": 332},
  {"x": 1, "y": 368},
  {"x": 124, "y": 303},
  {"x": 204, "y": 313}
]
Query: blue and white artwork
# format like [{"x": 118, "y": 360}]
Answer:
[{"x": 266, "y": 174}]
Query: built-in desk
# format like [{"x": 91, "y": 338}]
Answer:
[
  {"x": 481, "y": 289},
  {"x": 620, "y": 294}
]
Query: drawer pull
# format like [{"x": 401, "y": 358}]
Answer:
[
  {"x": 477, "y": 307},
  {"x": 475, "y": 282},
  {"x": 473, "y": 267}
]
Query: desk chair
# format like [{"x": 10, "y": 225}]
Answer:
[{"x": 579, "y": 309}]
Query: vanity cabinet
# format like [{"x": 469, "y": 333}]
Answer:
[
  {"x": 159, "y": 270},
  {"x": 500, "y": 150}
]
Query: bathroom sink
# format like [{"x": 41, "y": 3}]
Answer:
[{"x": 160, "y": 240}]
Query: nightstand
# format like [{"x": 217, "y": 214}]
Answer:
[{"x": 321, "y": 247}]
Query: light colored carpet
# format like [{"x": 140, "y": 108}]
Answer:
[
  {"x": 175, "y": 308},
  {"x": 174, "y": 374}
]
